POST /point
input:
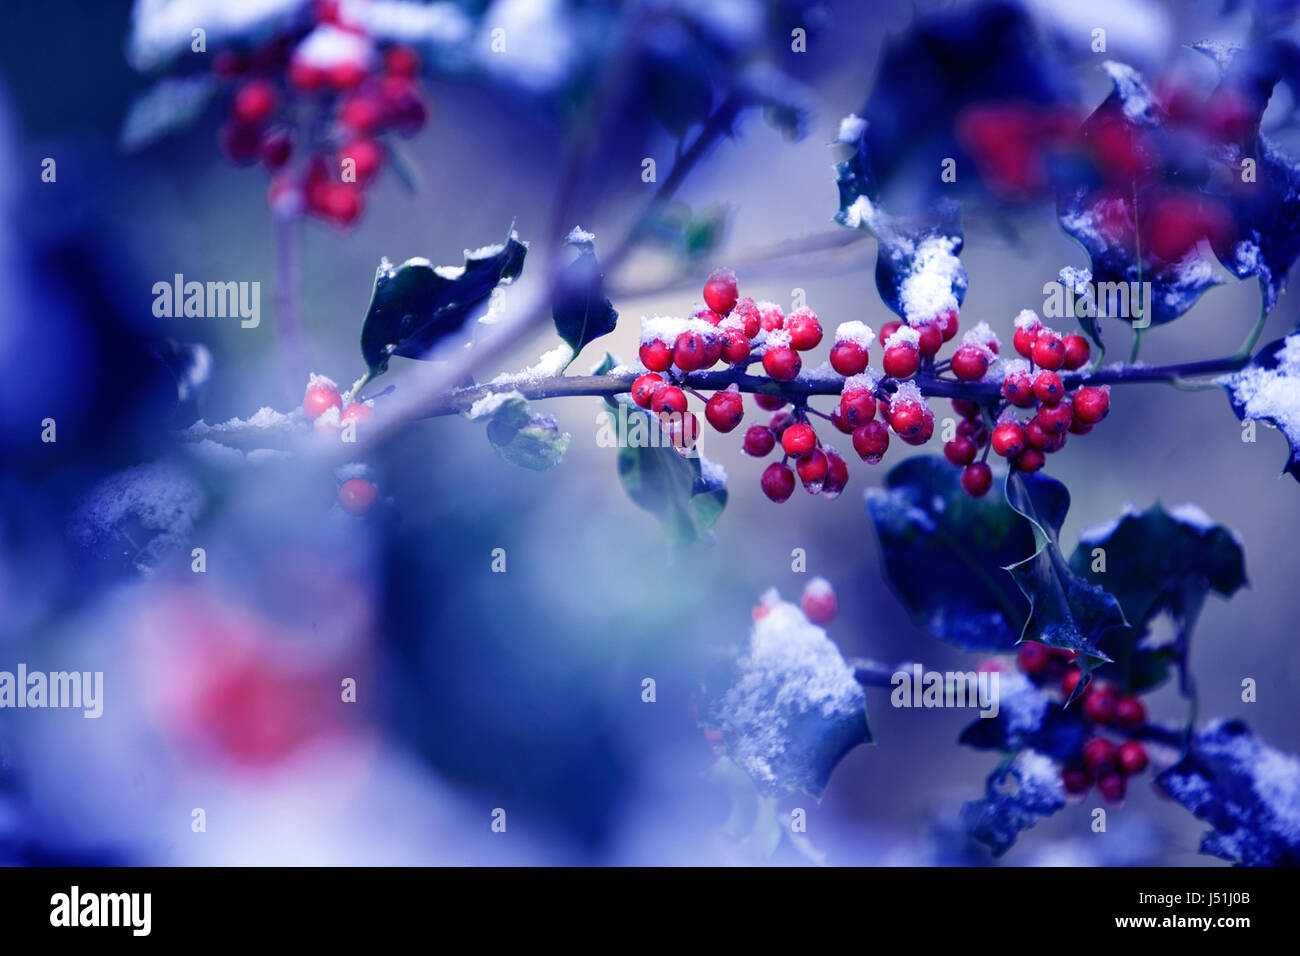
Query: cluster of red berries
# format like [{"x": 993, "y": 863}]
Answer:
[
  {"x": 1033, "y": 382},
  {"x": 1101, "y": 761},
  {"x": 323, "y": 405},
  {"x": 321, "y": 163}
]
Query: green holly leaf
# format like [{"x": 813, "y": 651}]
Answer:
[
  {"x": 944, "y": 554},
  {"x": 687, "y": 493},
  {"x": 519, "y": 435},
  {"x": 1157, "y": 562},
  {"x": 167, "y": 107},
  {"x": 1066, "y": 610},
  {"x": 416, "y": 304},
  {"x": 581, "y": 311}
]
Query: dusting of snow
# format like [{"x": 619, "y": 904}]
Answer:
[
  {"x": 851, "y": 129},
  {"x": 449, "y": 272},
  {"x": 713, "y": 474},
  {"x": 1016, "y": 366},
  {"x": 666, "y": 328},
  {"x": 353, "y": 469},
  {"x": 860, "y": 213},
  {"x": 328, "y": 45},
  {"x": 1193, "y": 515},
  {"x": 1021, "y": 703},
  {"x": 904, "y": 335},
  {"x": 867, "y": 380},
  {"x": 441, "y": 23},
  {"x": 818, "y": 587},
  {"x": 791, "y": 669},
  {"x": 983, "y": 337},
  {"x": 1039, "y": 777},
  {"x": 778, "y": 338},
  {"x": 1028, "y": 319},
  {"x": 928, "y": 289},
  {"x": 1272, "y": 394},
  {"x": 580, "y": 237},
  {"x": 859, "y": 333},
  {"x": 1078, "y": 281},
  {"x": 159, "y": 498},
  {"x": 489, "y": 403},
  {"x": 1100, "y": 532},
  {"x": 1134, "y": 95},
  {"x": 551, "y": 364},
  {"x": 908, "y": 394}
]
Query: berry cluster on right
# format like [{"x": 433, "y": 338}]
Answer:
[{"x": 1101, "y": 761}]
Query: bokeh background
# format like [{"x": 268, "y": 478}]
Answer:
[{"x": 520, "y": 690}]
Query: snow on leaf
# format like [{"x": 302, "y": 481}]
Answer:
[
  {"x": 788, "y": 706},
  {"x": 1028, "y": 717},
  {"x": 1246, "y": 790},
  {"x": 143, "y": 514},
  {"x": 1268, "y": 390},
  {"x": 1028, "y": 790},
  {"x": 162, "y": 29}
]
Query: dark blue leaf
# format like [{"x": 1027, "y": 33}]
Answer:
[
  {"x": 1247, "y": 791},
  {"x": 1028, "y": 717},
  {"x": 581, "y": 311},
  {"x": 1029, "y": 789}
]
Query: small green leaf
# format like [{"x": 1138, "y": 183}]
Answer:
[
  {"x": 687, "y": 493},
  {"x": 1067, "y": 611},
  {"x": 416, "y": 304},
  {"x": 581, "y": 311},
  {"x": 525, "y": 439},
  {"x": 167, "y": 107}
]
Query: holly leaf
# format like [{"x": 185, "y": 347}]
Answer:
[
  {"x": 685, "y": 492},
  {"x": 1066, "y": 610},
  {"x": 787, "y": 705},
  {"x": 1027, "y": 717},
  {"x": 416, "y": 304},
  {"x": 1157, "y": 562},
  {"x": 1268, "y": 390},
  {"x": 1246, "y": 790},
  {"x": 1027, "y": 790},
  {"x": 944, "y": 554},
  {"x": 520, "y": 436},
  {"x": 169, "y": 106},
  {"x": 581, "y": 311}
]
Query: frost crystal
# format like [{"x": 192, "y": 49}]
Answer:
[
  {"x": 904, "y": 335},
  {"x": 927, "y": 290},
  {"x": 859, "y": 333},
  {"x": 851, "y": 129}
]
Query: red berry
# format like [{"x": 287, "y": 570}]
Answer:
[
  {"x": 759, "y": 441},
  {"x": 254, "y": 102},
  {"x": 346, "y": 75},
  {"x": 735, "y": 346},
  {"x": 1099, "y": 756},
  {"x": 357, "y": 496},
  {"x": 770, "y": 403},
  {"x": 725, "y": 410},
  {"x": 228, "y": 64},
  {"x": 1132, "y": 757},
  {"x": 1079, "y": 428},
  {"x": 837, "y": 475},
  {"x": 1024, "y": 339},
  {"x": 777, "y": 482},
  {"x": 1130, "y": 712},
  {"x": 970, "y": 363},
  {"x": 901, "y": 360},
  {"x": 931, "y": 339},
  {"x": 1099, "y": 704},
  {"x": 782, "y": 363},
  {"x": 712, "y": 349},
  {"x": 888, "y": 329},
  {"x": 770, "y": 317},
  {"x": 1076, "y": 780},
  {"x": 357, "y": 412},
  {"x": 1018, "y": 389},
  {"x": 305, "y": 77},
  {"x": 1049, "y": 350},
  {"x": 976, "y": 479},
  {"x": 689, "y": 352},
  {"x": 402, "y": 61},
  {"x": 1048, "y": 388},
  {"x": 1034, "y": 658},
  {"x": 857, "y": 406},
  {"x": 1076, "y": 351},
  {"x": 1030, "y": 460},
  {"x": 1009, "y": 439},
  {"x": 1112, "y": 787},
  {"x": 849, "y": 358},
  {"x": 320, "y": 397},
  {"x": 960, "y": 451},
  {"x": 1070, "y": 681},
  {"x": 907, "y": 419},
  {"x": 645, "y": 387},
  {"x": 1036, "y": 436},
  {"x": 656, "y": 355},
  {"x": 837, "y": 419},
  {"x": 683, "y": 429},
  {"x": 1091, "y": 404},
  {"x": 1055, "y": 418},
  {"x": 780, "y": 422},
  {"x": 871, "y": 441},
  {"x": 275, "y": 147},
  {"x": 362, "y": 113},
  {"x": 239, "y": 142},
  {"x": 799, "y": 439},
  {"x": 805, "y": 331},
  {"x": 720, "y": 291},
  {"x": 339, "y": 203},
  {"x": 366, "y": 156},
  {"x": 748, "y": 313},
  {"x": 669, "y": 399},
  {"x": 812, "y": 470},
  {"x": 966, "y": 408},
  {"x": 948, "y": 324},
  {"x": 819, "y": 603},
  {"x": 924, "y": 433}
]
